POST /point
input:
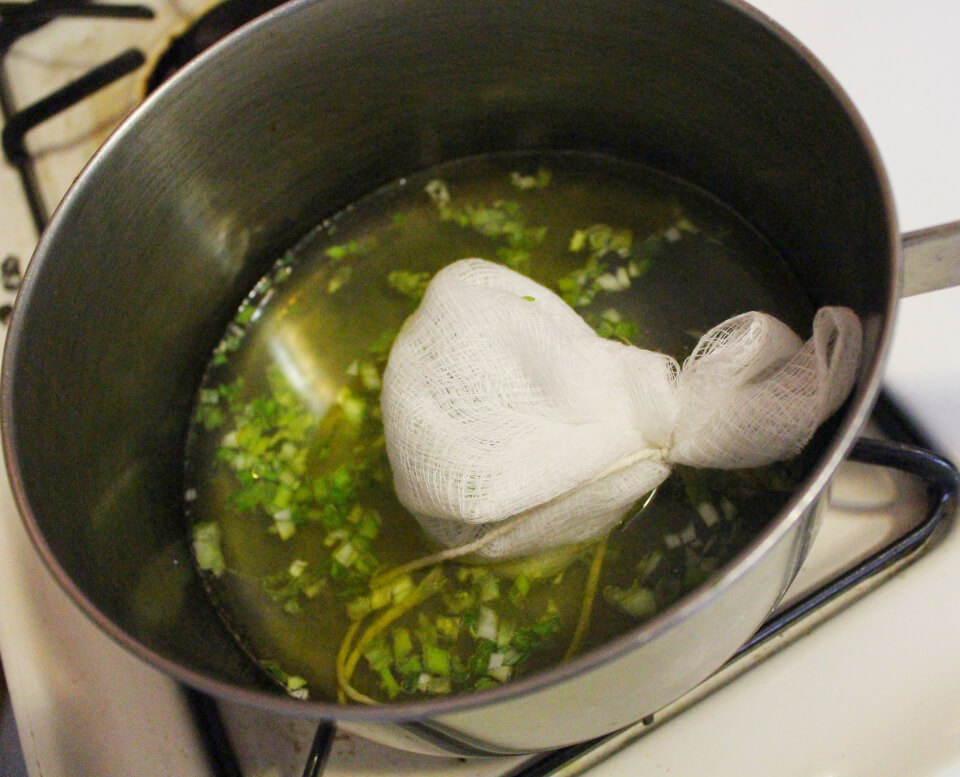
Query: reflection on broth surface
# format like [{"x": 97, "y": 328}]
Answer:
[{"x": 289, "y": 491}]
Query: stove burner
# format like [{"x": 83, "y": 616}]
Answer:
[
  {"x": 20, "y": 19},
  {"x": 217, "y": 23}
]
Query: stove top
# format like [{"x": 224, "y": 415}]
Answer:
[{"x": 867, "y": 687}]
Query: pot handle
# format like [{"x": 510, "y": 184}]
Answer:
[{"x": 931, "y": 259}]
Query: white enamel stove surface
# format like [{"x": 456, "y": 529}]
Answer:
[{"x": 873, "y": 691}]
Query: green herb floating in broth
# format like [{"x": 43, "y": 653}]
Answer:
[
  {"x": 295, "y": 526},
  {"x": 502, "y": 221},
  {"x": 410, "y": 284},
  {"x": 538, "y": 180}
]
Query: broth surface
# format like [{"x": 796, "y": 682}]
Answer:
[{"x": 288, "y": 488}]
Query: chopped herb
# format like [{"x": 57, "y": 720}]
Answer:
[
  {"x": 515, "y": 258},
  {"x": 604, "y": 245},
  {"x": 339, "y": 279},
  {"x": 295, "y": 685},
  {"x": 381, "y": 346},
  {"x": 614, "y": 260},
  {"x": 410, "y": 284},
  {"x": 402, "y": 644},
  {"x": 340, "y": 252},
  {"x": 210, "y": 417},
  {"x": 612, "y": 325},
  {"x": 354, "y": 407},
  {"x": 502, "y": 222},
  {"x": 206, "y": 548},
  {"x": 458, "y": 628},
  {"x": 637, "y": 601},
  {"x": 602, "y": 239},
  {"x": 519, "y": 589},
  {"x": 436, "y": 660},
  {"x": 539, "y": 180},
  {"x": 438, "y": 192},
  {"x": 267, "y": 443}
]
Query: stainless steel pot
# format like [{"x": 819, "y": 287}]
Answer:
[{"x": 294, "y": 117}]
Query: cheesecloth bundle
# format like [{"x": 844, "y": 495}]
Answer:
[{"x": 512, "y": 427}]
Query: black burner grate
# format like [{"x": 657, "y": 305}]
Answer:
[
  {"x": 217, "y": 23},
  {"x": 20, "y": 19}
]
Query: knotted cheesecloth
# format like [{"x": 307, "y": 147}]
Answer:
[{"x": 512, "y": 427}]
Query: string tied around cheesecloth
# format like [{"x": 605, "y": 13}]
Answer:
[{"x": 512, "y": 427}]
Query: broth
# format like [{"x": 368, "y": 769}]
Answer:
[{"x": 288, "y": 486}]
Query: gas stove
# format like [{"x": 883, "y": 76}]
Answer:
[{"x": 866, "y": 684}]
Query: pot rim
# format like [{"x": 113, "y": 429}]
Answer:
[{"x": 859, "y": 407}]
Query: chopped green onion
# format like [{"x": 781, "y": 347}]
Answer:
[
  {"x": 578, "y": 241},
  {"x": 297, "y": 687},
  {"x": 388, "y": 682},
  {"x": 708, "y": 513},
  {"x": 637, "y": 601},
  {"x": 438, "y": 192},
  {"x": 539, "y": 180},
  {"x": 728, "y": 507},
  {"x": 402, "y": 588},
  {"x": 345, "y": 555},
  {"x": 206, "y": 548},
  {"x": 410, "y": 284},
  {"x": 297, "y": 568},
  {"x": 370, "y": 376},
  {"x": 519, "y": 588},
  {"x": 487, "y": 625},
  {"x": 448, "y": 627},
  {"x": 339, "y": 279},
  {"x": 436, "y": 660},
  {"x": 284, "y": 525},
  {"x": 340, "y": 252},
  {"x": 402, "y": 643},
  {"x": 439, "y": 685},
  {"x": 648, "y": 563},
  {"x": 379, "y": 597},
  {"x": 489, "y": 588},
  {"x": 354, "y": 408},
  {"x": 359, "y": 607},
  {"x": 505, "y": 631},
  {"x": 501, "y": 673}
]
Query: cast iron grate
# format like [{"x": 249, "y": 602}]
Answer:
[
  {"x": 18, "y": 19},
  {"x": 215, "y": 24}
]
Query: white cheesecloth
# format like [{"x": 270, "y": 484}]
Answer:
[{"x": 500, "y": 402}]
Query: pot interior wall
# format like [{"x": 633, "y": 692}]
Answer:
[{"x": 293, "y": 118}]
